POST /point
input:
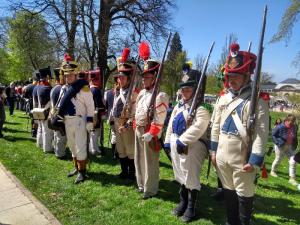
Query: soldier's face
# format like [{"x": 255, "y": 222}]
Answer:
[
  {"x": 148, "y": 80},
  {"x": 123, "y": 80},
  {"x": 187, "y": 93},
  {"x": 71, "y": 78},
  {"x": 236, "y": 82}
]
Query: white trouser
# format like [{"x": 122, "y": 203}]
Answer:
[
  {"x": 47, "y": 137},
  {"x": 113, "y": 138},
  {"x": 230, "y": 161},
  {"x": 187, "y": 168},
  {"x": 280, "y": 152},
  {"x": 76, "y": 136},
  {"x": 39, "y": 135},
  {"x": 94, "y": 137},
  {"x": 59, "y": 144}
]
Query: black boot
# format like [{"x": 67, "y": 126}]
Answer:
[
  {"x": 181, "y": 207},
  {"x": 245, "y": 208},
  {"x": 81, "y": 171},
  {"x": 80, "y": 177},
  {"x": 232, "y": 207},
  {"x": 114, "y": 151},
  {"x": 124, "y": 168},
  {"x": 131, "y": 169},
  {"x": 75, "y": 170},
  {"x": 190, "y": 212},
  {"x": 219, "y": 194}
]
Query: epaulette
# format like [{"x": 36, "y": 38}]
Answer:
[
  {"x": 86, "y": 88},
  {"x": 264, "y": 96},
  {"x": 208, "y": 107}
]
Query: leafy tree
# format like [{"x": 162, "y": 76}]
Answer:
[
  {"x": 29, "y": 45},
  {"x": 104, "y": 23},
  {"x": 286, "y": 26},
  {"x": 3, "y": 65},
  {"x": 172, "y": 74},
  {"x": 212, "y": 86}
]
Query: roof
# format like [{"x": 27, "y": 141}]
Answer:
[{"x": 290, "y": 81}]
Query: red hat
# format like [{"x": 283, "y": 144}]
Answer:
[
  {"x": 239, "y": 62},
  {"x": 124, "y": 65}
]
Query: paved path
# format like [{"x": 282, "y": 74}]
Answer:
[{"x": 18, "y": 206}]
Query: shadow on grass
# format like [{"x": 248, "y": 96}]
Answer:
[
  {"x": 9, "y": 130},
  {"x": 107, "y": 179},
  {"x": 12, "y": 123},
  {"x": 15, "y": 139},
  {"x": 273, "y": 206},
  {"x": 279, "y": 188},
  {"x": 163, "y": 164}
]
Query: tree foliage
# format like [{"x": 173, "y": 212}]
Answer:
[
  {"x": 29, "y": 45},
  {"x": 92, "y": 29},
  {"x": 285, "y": 30}
]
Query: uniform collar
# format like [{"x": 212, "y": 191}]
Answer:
[{"x": 243, "y": 89}]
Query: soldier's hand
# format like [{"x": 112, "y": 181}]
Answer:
[
  {"x": 180, "y": 147},
  {"x": 213, "y": 159},
  {"x": 89, "y": 126},
  {"x": 147, "y": 137},
  {"x": 122, "y": 129},
  {"x": 248, "y": 168}
]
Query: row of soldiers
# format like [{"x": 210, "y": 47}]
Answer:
[{"x": 138, "y": 136}]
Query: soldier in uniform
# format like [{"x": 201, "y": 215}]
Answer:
[
  {"x": 147, "y": 132},
  {"x": 38, "y": 123},
  {"x": 229, "y": 137},
  {"x": 28, "y": 91},
  {"x": 122, "y": 122},
  {"x": 180, "y": 138},
  {"x": 76, "y": 108},
  {"x": 59, "y": 140},
  {"x": 94, "y": 77},
  {"x": 43, "y": 96}
]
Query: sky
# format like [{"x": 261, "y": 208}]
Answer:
[{"x": 200, "y": 22}]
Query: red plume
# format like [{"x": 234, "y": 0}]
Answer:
[
  {"x": 144, "y": 50},
  {"x": 125, "y": 54},
  {"x": 67, "y": 57},
  {"x": 234, "y": 47}
]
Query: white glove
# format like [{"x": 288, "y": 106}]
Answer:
[
  {"x": 89, "y": 126},
  {"x": 147, "y": 137}
]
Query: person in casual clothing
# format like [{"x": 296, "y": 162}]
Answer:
[
  {"x": 10, "y": 97},
  {"x": 285, "y": 139}
]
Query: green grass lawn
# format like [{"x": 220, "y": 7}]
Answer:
[{"x": 104, "y": 199}]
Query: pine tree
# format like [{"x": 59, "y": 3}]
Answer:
[{"x": 175, "y": 48}]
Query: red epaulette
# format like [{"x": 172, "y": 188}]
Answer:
[
  {"x": 136, "y": 90},
  {"x": 222, "y": 93},
  {"x": 265, "y": 96}
]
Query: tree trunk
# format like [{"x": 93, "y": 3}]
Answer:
[{"x": 103, "y": 34}]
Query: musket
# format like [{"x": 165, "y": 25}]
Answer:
[
  {"x": 125, "y": 114},
  {"x": 197, "y": 97},
  {"x": 255, "y": 90},
  {"x": 150, "y": 111},
  {"x": 249, "y": 46}
]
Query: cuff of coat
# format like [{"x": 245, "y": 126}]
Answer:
[
  {"x": 167, "y": 145},
  {"x": 214, "y": 145},
  {"x": 179, "y": 143},
  {"x": 256, "y": 159},
  {"x": 154, "y": 130},
  {"x": 89, "y": 119}
]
